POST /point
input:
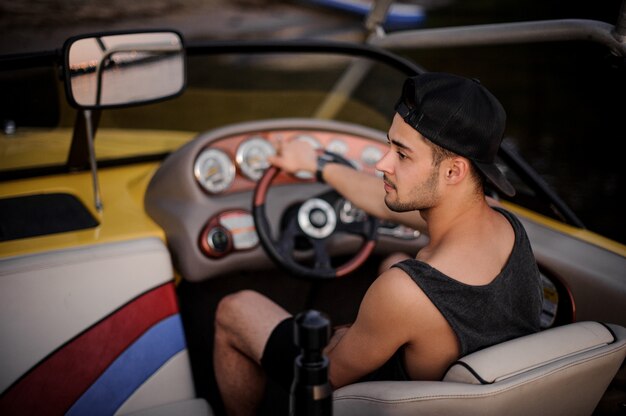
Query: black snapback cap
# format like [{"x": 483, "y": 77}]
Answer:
[{"x": 458, "y": 114}]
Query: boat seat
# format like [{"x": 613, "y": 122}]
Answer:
[
  {"x": 93, "y": 327},
  {"x": 194, "y": 407},
  {"x": 562, "y": 370}
]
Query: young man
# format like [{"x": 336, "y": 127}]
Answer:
[{"x": 475, "y": 284}]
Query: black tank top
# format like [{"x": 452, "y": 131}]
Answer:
[{"x": 506, "y": 308}]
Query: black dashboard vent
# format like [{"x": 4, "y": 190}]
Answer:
[{"x": 42, "y": 214}]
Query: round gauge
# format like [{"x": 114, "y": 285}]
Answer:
[
  {"x": 252, "y": 157},
  {"x": 337, "y": 146},
  {"x": 310, "y": 139},
  {"x": 371, "y": 155},
  {"x": 214, "y": 170}
]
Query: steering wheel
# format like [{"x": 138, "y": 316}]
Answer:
[{"x": 315, "y": 220}]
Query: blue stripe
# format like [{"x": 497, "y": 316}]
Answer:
[
  {"x": 132, "y": 368},
  {"x": 402, "y": 17}
]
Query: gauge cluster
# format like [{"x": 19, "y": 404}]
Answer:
[
  {"x": 236, "y": 163},
  {"x": 202, "y": 194}
]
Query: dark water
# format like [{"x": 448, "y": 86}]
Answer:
[{"x": 565, "y": 102}]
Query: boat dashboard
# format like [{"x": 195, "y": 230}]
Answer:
[{"x": 202, "y": 194}]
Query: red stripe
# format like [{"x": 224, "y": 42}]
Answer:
[{"x": 53, "y": 385}]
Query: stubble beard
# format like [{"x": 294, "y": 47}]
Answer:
[{"x": 422, "y": 196}]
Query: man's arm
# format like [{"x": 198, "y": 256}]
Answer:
[
  {"x": 381, "y": 327},
  {"x": 362, "y": 189}
]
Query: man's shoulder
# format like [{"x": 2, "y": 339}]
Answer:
[
  {"x": 394, "y": 286},
  {"x": 394, "y": 278},
  {"x": 395, "y": 299}
]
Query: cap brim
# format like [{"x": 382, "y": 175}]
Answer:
[{"x": 496, "y": 177}]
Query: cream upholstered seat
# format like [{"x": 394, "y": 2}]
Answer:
[
  {"x": 94, "y": 327},
  {"x": 563, "y": 370}
]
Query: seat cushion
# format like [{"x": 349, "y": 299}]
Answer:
[
  {"x": 526, "y": 353},
  {"x": 195, "y": 407},
  {"x": 53, "y": 297},
  {"x": 565, "y": 374},
  {"x": 92, "y": 327}
]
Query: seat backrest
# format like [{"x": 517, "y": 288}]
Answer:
[
  {"x": 563, "y": 370},
  {"x": 91, "y": 330}
]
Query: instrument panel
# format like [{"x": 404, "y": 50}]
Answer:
[
  {"x": 201, "y": 195},
  {"x": 235, "y": 163}
]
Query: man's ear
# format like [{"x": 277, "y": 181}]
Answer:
[{"x": 456, "y": 169}]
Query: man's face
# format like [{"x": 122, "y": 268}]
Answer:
[{"x": 411, "y": 181}]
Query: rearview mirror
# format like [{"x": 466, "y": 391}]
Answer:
[{"x": 116, "y": 70}]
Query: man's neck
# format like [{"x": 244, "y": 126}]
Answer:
[{"x": 454, "y": 216}]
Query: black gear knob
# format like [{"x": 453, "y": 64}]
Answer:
[
  {"x": 311, "y": 393},
  {"x": 312, "y": 330}
]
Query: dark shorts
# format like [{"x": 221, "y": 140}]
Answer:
[{"x": 280, "y": 353}]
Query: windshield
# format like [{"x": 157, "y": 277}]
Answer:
[{"x": 227, "y": 88}]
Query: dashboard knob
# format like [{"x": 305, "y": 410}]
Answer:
[{"x": 218, "y": 240}]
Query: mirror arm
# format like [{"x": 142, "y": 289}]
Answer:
[
  {"x": 92, "y": 161},
  {"x": 101, "y": 44},
  {"x": 78, "y": 158},
  {"x": 99, "y": 71}
]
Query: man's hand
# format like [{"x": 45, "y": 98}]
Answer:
[{"x": 295, "y": 155}]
